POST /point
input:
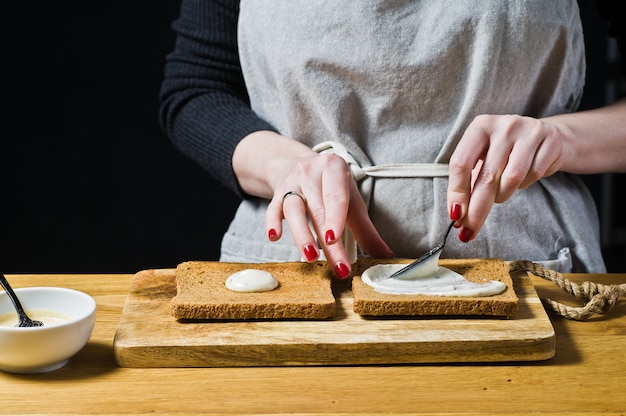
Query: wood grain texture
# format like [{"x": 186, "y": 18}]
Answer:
[{"x": 148, "y": 336}]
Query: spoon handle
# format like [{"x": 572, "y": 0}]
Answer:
[
  {"x": 16, "y": 302},
  {"x": 23, "y": 319}
]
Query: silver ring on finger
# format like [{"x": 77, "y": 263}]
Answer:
[{"x": 293, "y": 193}]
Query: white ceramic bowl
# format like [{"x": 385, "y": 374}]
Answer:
[{"x": 40, "y": 349}]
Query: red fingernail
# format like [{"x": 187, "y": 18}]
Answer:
[
  {"x": 455, "y": 211},
  {"x": 330, "y": 237},
  {"x": 342, "y": 271},
  {"x": 310, "y": 252},
  {"x": 272, "y": 234},
  {"x": 465, "y": 235}
]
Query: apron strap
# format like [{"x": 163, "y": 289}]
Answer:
[{"x": 398, "y": 170}]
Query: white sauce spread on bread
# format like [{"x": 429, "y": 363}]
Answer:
[
  {"x": 438, "y": 281},
  {"x": 251, "y": 280}
]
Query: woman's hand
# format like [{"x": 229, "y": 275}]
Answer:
[
  {"x": 497, "y": 155},
  {"x": 304, "y": 185}
]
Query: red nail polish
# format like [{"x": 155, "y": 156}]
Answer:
[
  {"x": 310, "y": 252},
  {"x": 465, "y": 235},
  {"x": 455, "y": 211},
  {"x": 272, "y": 234},
  {"x": 330, "y": 237},
  {"x": 342, "y": 271}
]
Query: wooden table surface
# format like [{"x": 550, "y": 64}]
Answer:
[{"x": 586, "y": 376}]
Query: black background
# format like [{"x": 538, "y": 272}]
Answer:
[{"x": 89, "y": 183}]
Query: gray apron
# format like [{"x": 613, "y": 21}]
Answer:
[{"x": 391, "y": 87}]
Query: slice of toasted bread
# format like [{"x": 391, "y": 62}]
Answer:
[
  {"x": 304, "y": 292},
  {"x": 368, "y": 301}
]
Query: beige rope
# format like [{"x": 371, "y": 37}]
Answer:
[{"x": 599, "y": 298}]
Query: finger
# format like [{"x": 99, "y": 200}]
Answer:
[
  {"x": 328, "y": 208},
  {"x": 337, "y": 258},
  {"x": 362, "y": 228},
  {"x": 486, "y": 185},
  {"x": 274, "y": 219},
  {"x": 525, "y": 135},
  {"x": 335, "y": 199},
  {"x": 482, "y": 199},
  {"x": 514, "y": 174},
  {"x": 294, "y": 211},
  {"x": 467, "y": 155},
  {"x": 545, "y": 161}
]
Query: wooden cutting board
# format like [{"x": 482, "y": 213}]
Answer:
[{"x": 148, "y": 336}]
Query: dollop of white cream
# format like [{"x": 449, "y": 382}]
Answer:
[
  {"x": 251, "y": 280},
  {"x": 439, "y": 281}
]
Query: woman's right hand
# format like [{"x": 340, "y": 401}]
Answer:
[{"x": 319, "y": 189}]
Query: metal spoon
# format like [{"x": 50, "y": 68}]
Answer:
[
  {"x": 23, "y": 319},
  {"x": 428, "y": 260}
]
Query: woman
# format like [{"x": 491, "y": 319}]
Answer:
[{"x": 381, "y": 121}]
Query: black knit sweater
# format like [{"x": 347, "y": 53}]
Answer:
[{"x": 205, "y": 108}]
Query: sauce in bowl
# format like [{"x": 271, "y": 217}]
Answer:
[{"x": 49, "y": 318}]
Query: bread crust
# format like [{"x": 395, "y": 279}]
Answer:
[
  {"x": 304, "y": 292},
  {"x": 369, "y": 302}
]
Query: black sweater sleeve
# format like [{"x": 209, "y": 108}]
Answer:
[{"x": 205, "y": 109}]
